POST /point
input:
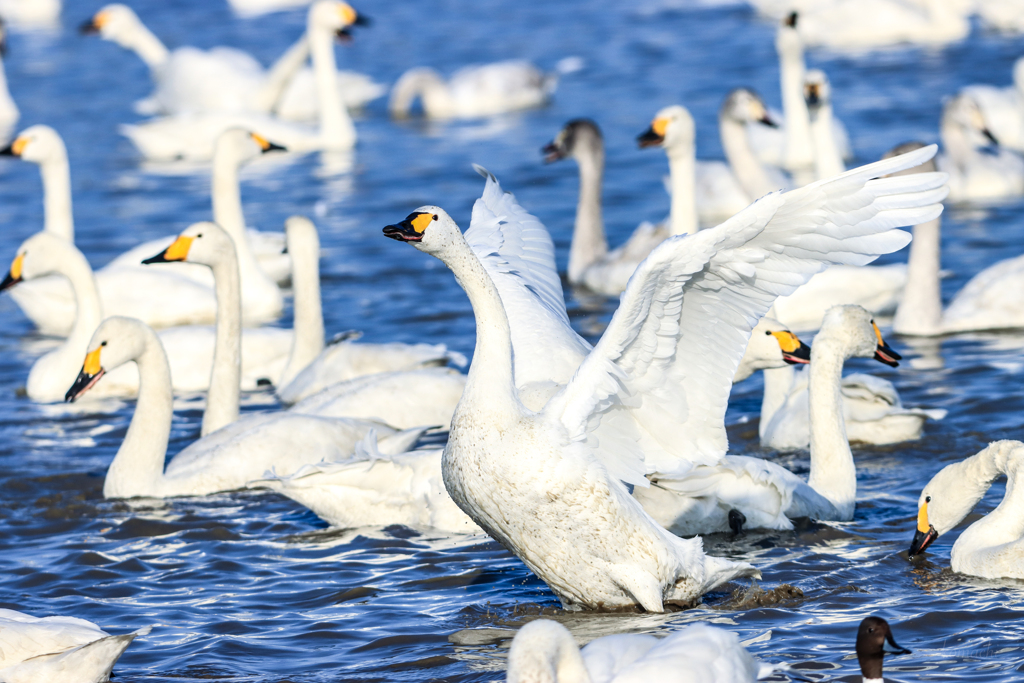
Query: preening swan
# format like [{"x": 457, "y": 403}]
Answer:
[
  {"x": 472, "y": 91},
  {"x": 768, "y": 495},
  {"x": 9, "y": 112},
  {"x": 190, "y": 80},
  {"x": 544, "y": 651},
  {"x": 58, "y": 649},
  {"x": 979, "y": 169},
  {"x": 228, "y": 458},
  {"x": 191, "y": 136},
  {"x": 992, "y": 547},
  {"x": 518, "y": 303}
]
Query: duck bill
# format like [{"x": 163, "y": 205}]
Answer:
[
  {"x": 649, "y": 138},
  {"x": 922, "y": 539},
  {"x": 84, "y": 383},
  {"x": 403, "y": 232},
  {"x": 552, "y": 152},
  {"x": 801, "y": 355},
  {"x": 890, "y": 647}
]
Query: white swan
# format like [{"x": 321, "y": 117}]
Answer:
[
  {"x": 252, "y": 8},
  {"x": 612, "y": 554},
  {"x": 31, "y": 15},
  {"x": 190, "y": 80},
  {"x": 979, "y": 169},
  {"x": 544, "y": 651},
  {"x": 706, "y": 499},
  {"x": 858, "y": 25},
  {"x": 191, "y": 136},
  {"x": 472, "y": 91},
  {"x": 828, "y": 159},
  {"x": 1003, "y": 108},
  {"x": 58, "y": 649},
  {"x": 993, "y": 546},
  {"x": 9, "y": 113}
]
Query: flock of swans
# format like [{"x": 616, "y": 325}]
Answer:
[{"x": 599, "y": 466}]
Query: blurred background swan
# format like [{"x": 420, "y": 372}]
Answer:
[
  {"x": 9, "y": 113},
  {"x": 979, "y": 168},
  {"x": 31, "y": 15}
]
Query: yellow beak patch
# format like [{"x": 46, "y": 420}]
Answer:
[
  {"x": 421, "y": 222},
  {"x": 348, "y": 15},
  {"x": 659, "y": 126},
  {"x": 100, "y": 20},
  {"x": 18, "y": 146},
  {"x": 261, "y": 141},
  {"x": 922, "y": 518},
  {"x": 92, "y": 362},
  {"x": 179, "y": 250},
  {"x": 16, "y": 266},
  {"x": 788, "y": 341},
  {"x": 878, "y": 334}
]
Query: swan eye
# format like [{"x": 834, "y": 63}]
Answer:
[
  {"x": 103, "y": 343},
  {"x": 927, "y": 499},
  {"x": 199, "y": 235},
  {"x": 768, "y": 334},
  {"x": 435, "y": 216}
]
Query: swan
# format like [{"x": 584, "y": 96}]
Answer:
[
  {"x": 9, "y": 113},
  {"x": 544, "y": 651},
  {"x": 828, "y": 160},
  {"x": 314, "y": 367},
  {"x": 252, "y": 8},
  {"x": 1001, "y": 15},
  {"x": 31, "y": 15},
  {"x": 585, "y": 424},
  {"x": 191, "y": 136},
  {"x": 858, "y": 25},
  {"x": 766, "y": 495},
  {"x": 741, "y": 109},
  {"x": 190, "y": 80},
  {"x": 1003, "y": 108},
  {"x": 472, "y": 91},
  {"x": 979, "y": 169},
  {"x": 58, "y": 649},
  {"x": 874, "y": 641},
  {"x": 993, "y": 546}
]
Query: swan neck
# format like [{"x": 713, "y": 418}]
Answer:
[
  {"x": 550, "y": 655},
  {"x": 336, "y": 128},
  {"x": 57, "y": 212},
  {"x": 138, "y": 467},
  {"x": 797, "y": 152},
  {"x": 920, "y": 309},
  {"x": 744, "y": 164},
  {"x": 308, "y": 337},
  {"x": 8, "y": 108},
  {"x": 226, "y": 195},
  {"x": 225, "y": 377},
  {"x": 833, "y": 473},
  {"x": 828, "y": 162},
  {"x": 682, "y": 172},
  {"x": 281, "y": 74},
  {"x": 148, "y": 47},
  {"x": 588, "y": 239},
  {"x": 777, "y": 384},
  {"x": 88, "y": 308}
]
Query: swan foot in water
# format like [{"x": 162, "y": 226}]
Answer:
[{"x": 736, "y": 521}]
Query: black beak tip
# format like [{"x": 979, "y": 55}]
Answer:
[
  {"x": 551, "y": 152},
  {"x": 8, "y": 151},
  {"x": 362, "y": 20},
  {"x": 991, "y": 138},
  {"x": 921, "y": 541},
  {"x": 159, "y": 258},
  {"x": 344, "y": 35},
  {"x": 87, "y": 28},
  {"x": 769, "y": 121},
  {"x": 649, "y": 139},
  {"x": 9, "y": 282},
  {"x": 273, "y": 147}
]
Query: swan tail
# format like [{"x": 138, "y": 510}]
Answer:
[
  {"x": 90, "y": 662},
  {"x": 718, "y": 571}
]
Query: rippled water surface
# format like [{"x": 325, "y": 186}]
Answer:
[{"x": 252, "y": 587}]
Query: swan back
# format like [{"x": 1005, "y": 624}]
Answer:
[
  {"x": 421, "y": 82},
  {"x": 544, "y": 651}
]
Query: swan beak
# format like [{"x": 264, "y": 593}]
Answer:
[
  {"x": 15, "y": 149},
  {"x": 791, "y": 19},
  {"x": 988, "y": 135},
  {"x": 925, "y": 533},
  {"x": 794, "y": 351},
  {"x": 91, "y": 373},
  {"x": 552, "y": 152},
  {"x": 266, "y": 145},
  {"x": 176, "y": 252},
  {"x": 362, "y": 20},
  {"x": 813, "y": 98},
  {"x": 653, "y": 136},
  {"x": 883, "y": 353},
  {"x": 768, "y": 120},
  {"x": 88, "y": 27},
  {"x": 14, "y": 276},
  {"x": 411, "y": 229}
]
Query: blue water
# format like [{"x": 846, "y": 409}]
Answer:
[{"x": 252, "y": 587}]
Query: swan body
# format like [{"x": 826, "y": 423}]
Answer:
[
  {"x": 507, "y": 429},
  {"x": 57, "y": 649},
  {"x": 9, "y": 113},
  {"x": 979, "y": 170},
  {"x": 993, "y": 546},
  {"x": 544, "y": 651},
  {"x": 191, "y": 135},
  {"x": 767, "y": 495},
  {"x": 473, "y": 91},
  {"x": 876, "y": 288},
  {"x": 252, "y": 8},
  {"x": 858, "y": 25},
  {"x": 1003, "y": 108},
  {"x": 31, "y": 15}
]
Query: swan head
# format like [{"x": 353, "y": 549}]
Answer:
[
  {"x": 671, "y": 128},
  {"x": 38, "y": 144},
  {"x": 787, "y": 38},
  {"x": 746, "y": 106},
  {"x": 964, "y": 113},
  {"x": 579, "y": 136},
  {"x": 241, "y": 146},
  {"x": 429, "y": 228},
  {"x": 874, "y": 641},
  {"x": 334, "y": 16},
  {"x": 115, "y": 342},
  {"x": 854, "y": 330},
  {"x": 817, "y": 89},
  {"x": 39, "y": 255},
  {"x": 947, "y": 499},
  {"x": 118, "y": 23},
  {"x": 544, "y": 651},
  {"x": 772, "y": 346},
  {"x": 204, "y": 242}
]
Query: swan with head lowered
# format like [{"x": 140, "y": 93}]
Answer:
[
  {"x": 191, "y": 136},
  {"x": 190, "y": 80},
  {"x": 58, "y": 649},
  {"x": 993, "y": 546},
  {"x": 538, "y": 456}
]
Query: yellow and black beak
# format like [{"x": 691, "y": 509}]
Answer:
[
  {"x": 812, "y": 95},
  {"x": 654, "y": 135},
  {"x": 351, "y": 18},
  {"x": 91, "y": 373},
  {"x": 93, "y": 25},
  {"x": 884, "y": 354},
  {"x": 411, "y": 229},
  {"x": 553, "y": 151},
  {"x": 768, "y": 120},
  {"x": 14, "y": 149},
  {"x": 989, "y": 136},
  {"x": 266, "y": 145},
  {"x": 925, "y": 533},
  {"x": 794, "y": 351},
  {"x": 14, "y": 275},
  {"x": 178, "y": 251}
]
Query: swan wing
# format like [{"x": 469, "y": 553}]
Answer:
[
  {"x": 23, "y": 636},
  {"x": 652, "y": 395}
]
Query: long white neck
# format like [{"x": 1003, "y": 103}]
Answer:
[
  {"x": 138, "y": 467},
  {"x": 308, "y": 338},
  {"x": 958, "y": 146},
  {"x": 147, "y": 46},
  {"x": 490, "y": 386},
  {"x": 57, "y": 216},
  {"x": 280, "y": 75},
  {"x": 798, "y": 153},
  {"x": 8, "y": 109},
  {"x": 1004, "y": 524},
  {"x": 588, "y": 241},
  {"x": 336, "y": 128},
  {"x": 777, "y": 384},
  {"x": 427, "y": 84},
  {"x": 833, "y": 473},
  {"x": 920, "y": 309},
  {"x": 745, "y": 165},
  {"x": 682, "y": 171},
  {"x": 828, "y": 162},
  {"x": 226, "y": 375}
]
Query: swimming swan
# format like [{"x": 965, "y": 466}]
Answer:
[
  {"x": 706, "y": 499},
  {"x": 992, "y": 547},
  {"x": 190, "y": 80},
  {"x": 600, "y": 388},
  {"x": 472, "y": 91},
  {"x": 9, "y": 113},
  {"x": 544, "y": 651},
  {"x": 31, "y": 15},
  {"x": 828, "y": 159},
  {"x": 191, "y": 136},
  {"x": 979, "y": 169},
  {"x": 1003, "y": 108},
  {"x": 858, "y": 25},
  {"x": 58, "y": 649},
  {"x": 252, "y": 8}
]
